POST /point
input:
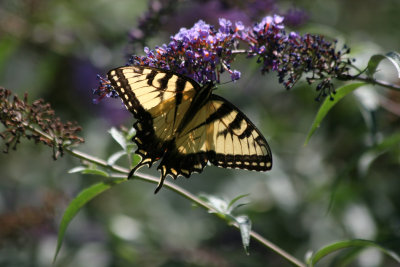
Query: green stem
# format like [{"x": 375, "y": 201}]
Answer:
[
  {"x": 187, "y": 195},
  {"x": 378, "y": 82},
  {"x": 348, "y": 77},
  {"x": 175, "y": 188}
]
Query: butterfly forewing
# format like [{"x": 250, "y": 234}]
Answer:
[
  {"x": 144, "y": 88},
  {"x": 157, "y": 99}
]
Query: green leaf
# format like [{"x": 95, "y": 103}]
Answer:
[
  {"x": 374, "y": 61},
  {"x": 245, "y": 229},
  {"x": 230, "y": 208},
  {"x": 96, "y": 172},
  {"x": 328, "y": 104},
  {"x": 219, "y": 204},
  {"x": 223, "y": 209},
  {"x": 119, "y": 137},
  {"x": 371, "y": 154},
  {"x": 86, "y": 170},
  {"x": 77, "y": 169},
  {"x": 116, "y": 156},
  {"x": 131, "y": 133},
  {"x": 77, "y": 203},
  {"x": 135, "y": 159},
  {"x": 314, "y": 258}
]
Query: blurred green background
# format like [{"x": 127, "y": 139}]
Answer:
[{"x": 337, "y": 187}]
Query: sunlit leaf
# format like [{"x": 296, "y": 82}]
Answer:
[
  {"x": 118, "y": 136},
  {"x": 131, "y": 133},
  {"x": 77, "y": 203},
  {"x": 116, "y": 156},
  {"x": 219, "y": 204},
  {"x": 346, "y": 257},
  {"x": 314, "y": 258},
  {"x": 86, "y": 170},
  {"x": 233, "y": 201},
  {"x": 245, "y": 228},
  {"x": 135, "y": 159},
  {"x": 374, "y": 61},
  {"x": 77, "y": 169},
  {"x": 328, "y": 104},
  {"x": 223, "y": 209}
]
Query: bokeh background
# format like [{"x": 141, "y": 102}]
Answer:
[{"x": 337, "y": 187}]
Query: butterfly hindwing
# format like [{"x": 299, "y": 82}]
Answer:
[
  {"x": 219, "y": 133},
  {"x": 236, "y": 142}
]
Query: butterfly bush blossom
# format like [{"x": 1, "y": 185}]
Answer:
[
  {"x": 36, "y": 121},
  {"x": 203, "y": 53}
]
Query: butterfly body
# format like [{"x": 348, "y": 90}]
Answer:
[{"x": 184, "y": 125}]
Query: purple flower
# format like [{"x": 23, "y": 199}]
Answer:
[
  {"x": 203, "y": 53},
  {"x": 235, "y": 75},
  {"x": 225, "y": 25}
]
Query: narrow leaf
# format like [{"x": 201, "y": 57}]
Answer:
[
  {"x": 219, "y": 204},
  {"x": 235, "y": 200},
  {"x": 77, "y": 169},
  {"x": 394, "y": 57},
  {"x": 118, "y": 136},
  {"x": 96, "y": 172},
  {"x": 135, "y": 159},
  {"x": 373, "y": 64},
  {"x": 374, "y": 61},
  {"x": 77, "y": 203},
  {"x": 131, "y": 133},
  {"x": 86, "y": 170},
  {"x": 328, "y": 104},
  {"x": 349, "y": 244},
  {"x": 245, "y": 228},
  {"x": 116, "y": 156}
]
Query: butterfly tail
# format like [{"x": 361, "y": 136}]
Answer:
[
  {"x": 145, "y": 161},
  {"x": 160, "y": 184}
]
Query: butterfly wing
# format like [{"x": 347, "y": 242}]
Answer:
[
  {"x": 220, "y": 133},
  {"x": 157, "y": 99},
  {"x": 235, "y": 142},
  {"x": 216, "y": 131}
]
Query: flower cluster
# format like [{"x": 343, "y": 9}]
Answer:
[
  {"x": 104, "y": 90},
  {"x": 293, "y": 56},
  {"x": 200, "y": 52},
  {"x": 203, "y": 53},
  {"x": 34, "y": 121}
]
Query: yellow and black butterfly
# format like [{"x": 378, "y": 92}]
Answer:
[{"x": 184, "y": 125}]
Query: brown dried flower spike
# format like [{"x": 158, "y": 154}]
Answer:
[{"x": 36, "y": 121}]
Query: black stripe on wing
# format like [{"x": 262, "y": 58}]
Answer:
[{"x": 258, "y": 160}]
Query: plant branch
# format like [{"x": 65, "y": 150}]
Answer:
[
  {"x": 184, "y": 193},
  {"x": 378, "y": 82}
]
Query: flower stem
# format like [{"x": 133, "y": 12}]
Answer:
[
  {"x": 378, "y": 82},
  {"x": 186, "y": 194}
]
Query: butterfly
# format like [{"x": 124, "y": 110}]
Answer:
[{"x": 182, "y": 124}]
